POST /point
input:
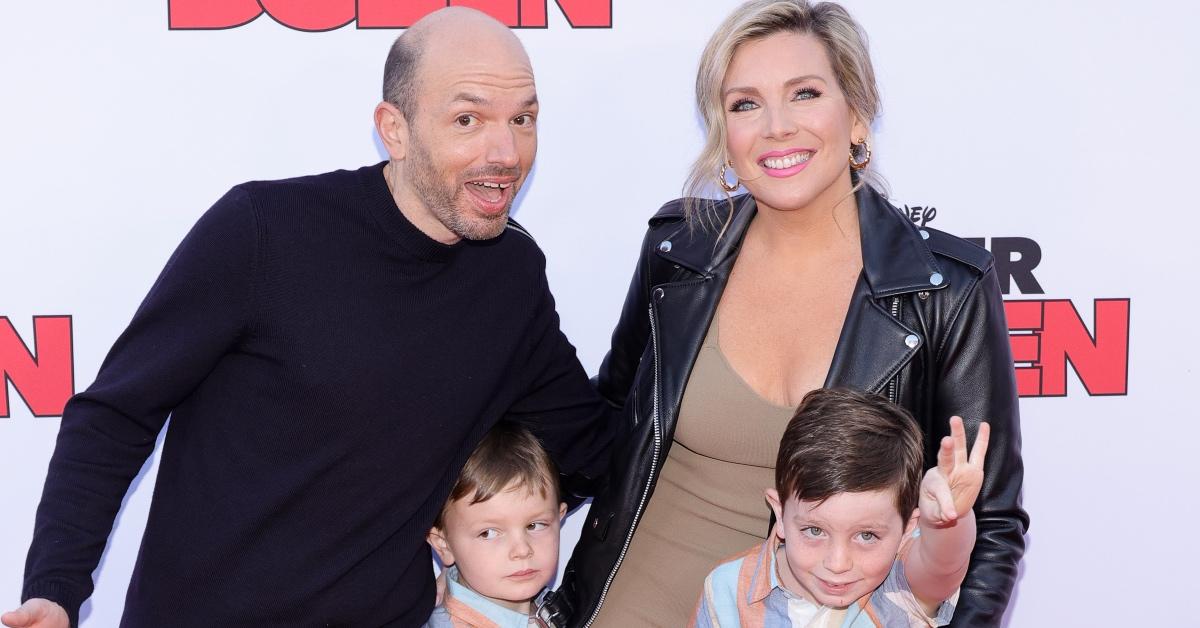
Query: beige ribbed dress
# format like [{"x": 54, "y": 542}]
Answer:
[{"x": 708, "y": 504}]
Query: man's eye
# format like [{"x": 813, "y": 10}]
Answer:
[
  {"x": 465, "y": 120},
  {"x": 489, "y": 534},
  {"x": 742, "y": 105},
  {"x": 524, "y": 119}
]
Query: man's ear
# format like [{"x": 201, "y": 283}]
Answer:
[
  {"x": 392, "y": 127},
  {"x": 437, "y": 539},
  {"x": 772, "y": 496}
]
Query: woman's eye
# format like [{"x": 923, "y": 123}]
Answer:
[
  {"x": 806, "y": 93},
  {"x": 489, "y": 534},
  {"x": 465, "y": 120},
  {"x": 742, "y": 105}
]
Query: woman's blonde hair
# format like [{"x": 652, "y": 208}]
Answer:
[{"x": 844, "y": 42}]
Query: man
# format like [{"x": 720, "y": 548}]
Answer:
[{"x": 330, "y": 350}]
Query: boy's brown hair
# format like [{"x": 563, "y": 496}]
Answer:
[
  {"x": 844, "y": 441},
  {"x": 509, "y": 453}
]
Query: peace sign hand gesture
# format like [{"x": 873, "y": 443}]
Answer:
[{"x": 949, "y": 489}]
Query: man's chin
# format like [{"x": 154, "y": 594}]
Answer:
[{"x": 481, "y": 227}]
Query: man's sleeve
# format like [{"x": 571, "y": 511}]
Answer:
[
  {"x": 560, "y": 405},
  {"x": 978, "y": 383},
  {"x": 193, "y": 314}
]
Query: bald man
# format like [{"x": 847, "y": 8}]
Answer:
[{"x": 330, "y": 349}]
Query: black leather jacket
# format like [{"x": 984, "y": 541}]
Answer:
[{"x": 925, "y": 327}]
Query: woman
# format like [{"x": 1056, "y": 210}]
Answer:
[{"x": 741, "y": 306}]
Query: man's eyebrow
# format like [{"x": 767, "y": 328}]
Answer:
[
  {"x": 483, "y": 102},
  {"x": 471, "y": 98}
]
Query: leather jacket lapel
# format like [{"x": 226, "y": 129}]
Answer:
[
  {"x": 872, "y": 347},
  {"x": 874, "y": 343}
]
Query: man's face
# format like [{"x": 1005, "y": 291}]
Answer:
[{"x": 472, "y": 138}]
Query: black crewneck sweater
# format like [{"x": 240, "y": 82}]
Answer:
[{"x": 327, "y": 368}]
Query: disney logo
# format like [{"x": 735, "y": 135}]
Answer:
[{"x": 920, "y": 215}]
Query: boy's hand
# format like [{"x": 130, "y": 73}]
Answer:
[
  {"x": 949, "y": 489},
  {"x": 37, "y": 613}
]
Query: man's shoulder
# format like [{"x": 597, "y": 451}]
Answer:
[
  {"x": 334, "y": 182},
  {"x": 518, "y": 245}
]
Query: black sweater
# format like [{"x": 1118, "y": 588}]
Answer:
[{"x": 327, "y": 368}]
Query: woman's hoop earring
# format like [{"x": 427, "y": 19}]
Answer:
[
  {"x": 725, "y": 185},
  {"x": 861, "y": 146}
]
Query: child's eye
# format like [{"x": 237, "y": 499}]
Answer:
[
  {"x": 806, "y": 93},
  {"x": 869, "y": 537},
  {"x": 489, "y": 534},
  {"x": 744, "y": 104},
  {"x": 812, "y": 532},
  {"x": 536, "y": 526}
]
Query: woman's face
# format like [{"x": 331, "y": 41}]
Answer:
[{"x": 789, "y": 125}]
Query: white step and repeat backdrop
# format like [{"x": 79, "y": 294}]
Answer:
[{"x": 1061, "y": 134}]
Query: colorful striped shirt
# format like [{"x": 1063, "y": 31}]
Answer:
[
  {"x": 464, "y": 608},
  {"x": 745, "y": 592}
]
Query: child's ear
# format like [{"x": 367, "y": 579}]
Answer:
[
  {"x": 912, "y": 522},
  {"x": 437, "y": 539},
  {"x": 772, "y": 496},
  {"x": 562, "y": 510}
]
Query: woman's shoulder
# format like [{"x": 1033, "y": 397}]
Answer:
[
  {"x": 957, "y": 251},
  {"x": 701, "y": 210}
]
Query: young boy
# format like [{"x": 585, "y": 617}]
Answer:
[
  {"x": 498, "y": 533},
  {"x": 844, "y": 552}
]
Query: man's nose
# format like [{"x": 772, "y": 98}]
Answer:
[{"x": 502, "y": 148}]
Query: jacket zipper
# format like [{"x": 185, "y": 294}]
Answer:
[
  {"x": 649, "y": 480},
  {"x": 892, "y": 384}
]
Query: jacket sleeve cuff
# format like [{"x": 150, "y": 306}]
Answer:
[{"x": 61, "y": 593}]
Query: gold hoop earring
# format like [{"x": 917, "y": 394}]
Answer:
[
  {"x": 725, "y": 185},
  {"x": 862, "y": 146}
]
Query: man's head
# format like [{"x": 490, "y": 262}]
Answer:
[
  {"x": 847, "y": 481},
  {"x": 500, "y": 524},
  {"x": 458, "y": 119}
]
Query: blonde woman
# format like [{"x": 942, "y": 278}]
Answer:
[{"x": 742, "y": 305}]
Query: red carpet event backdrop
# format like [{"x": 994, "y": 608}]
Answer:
[{"x": 1059, "y": 135}]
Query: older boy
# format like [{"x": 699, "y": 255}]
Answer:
[
  {"x": 844, "y": 552},
  {"x": 498, "y": 533}
]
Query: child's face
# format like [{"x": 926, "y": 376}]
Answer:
[
  {"x": 840, "y": 550},
  {"x": 506, "y": 548}
]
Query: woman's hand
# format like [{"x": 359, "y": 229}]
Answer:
[{"x": 949, "y": 489}]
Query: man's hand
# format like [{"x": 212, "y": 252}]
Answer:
[
  {"x": 949, "y": 489},
  {"x": 37, "y": 613}
]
